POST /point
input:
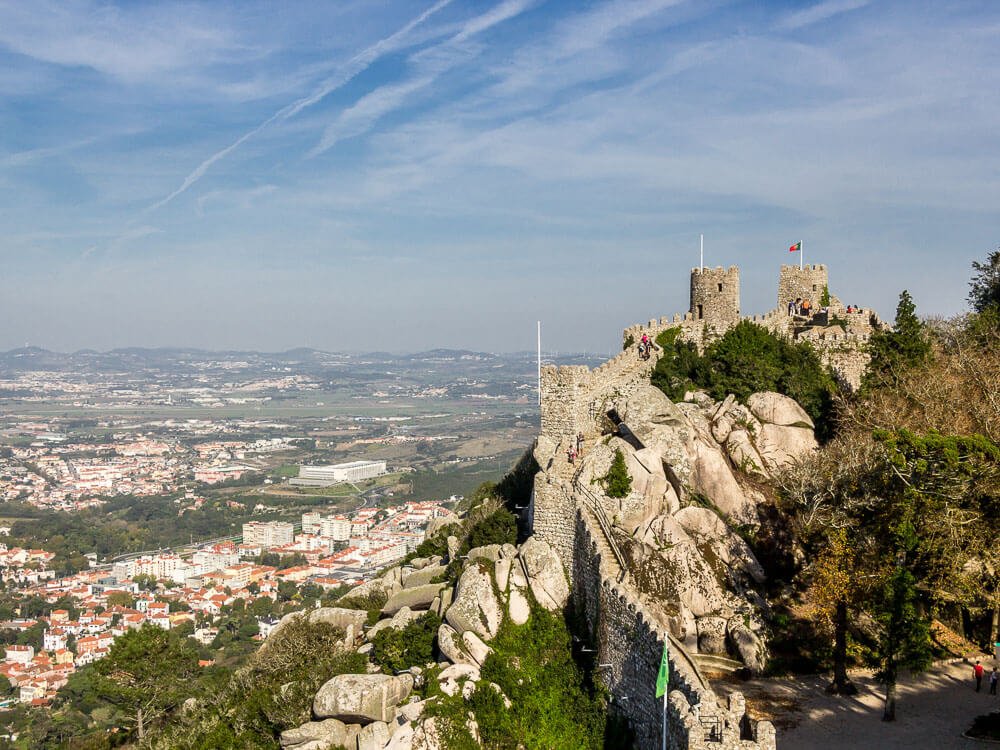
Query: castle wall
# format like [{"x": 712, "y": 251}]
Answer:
[
  {"x": 630, "y": 641},
  {"x": 552, "y": 512},
  {"x": 807, "y": 283},
  {"x": 575, "y": 398}
]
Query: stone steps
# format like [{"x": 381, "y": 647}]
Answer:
[{"x": 716, "y": 663}]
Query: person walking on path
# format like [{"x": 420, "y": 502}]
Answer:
[
  {"x": 977, "y": 672},
  {"x": 579, "y": 442},
  {"x": 993, "y": 681}
]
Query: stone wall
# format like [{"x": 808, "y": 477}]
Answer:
[
  {"x": 551, "y": 515},
  {"x": 807, "y": 283},
  {"x": 575, "y": 398},
  {"x": 630, "y": 640},
  {"x": 715, "y": 297}
]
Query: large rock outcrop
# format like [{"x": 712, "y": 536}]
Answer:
[
  {"x": 696, "y": 469},
  {"x": 545, "y": 575},
  {"x": 475, "y": 606},
  {"x": 361, "y": 698}
]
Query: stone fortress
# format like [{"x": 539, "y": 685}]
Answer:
[
  {"x": 838, "y": 336},
  {"x": 614, "y": 404}
]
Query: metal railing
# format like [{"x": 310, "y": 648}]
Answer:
[{"x": 604, "y": 522}]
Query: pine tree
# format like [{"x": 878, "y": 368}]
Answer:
[
  {"x": 984, "y": 289},
  {"x": 905, "y": 346},
  {"x": 617, "y": 482}
]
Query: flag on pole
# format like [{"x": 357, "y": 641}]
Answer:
[
  {"x": 664, "y": 676},
  {"x": 796, "y": 247}
]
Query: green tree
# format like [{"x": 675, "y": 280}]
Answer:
[
  {"x": 824, "y": 300},
  {"x": 617, "y": 482},
  {"x": 905, "y": 639},
  {"x": 413, "y": 645},
  {"x": 500, "y": 527},
  {"x": 748, "y": 359},
  {"x": 146, "y": 675},
  {"x": 893, "y": 352},
  {"x": 984, "y": 289},
  {"x": 121, "y": 599}
]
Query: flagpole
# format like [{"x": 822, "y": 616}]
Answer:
[
  {"x": 801, "y": 253},
  {"x": 664, "y": 721},
  {"x": 539, "y": 363},
  {"x": 702, "y": 253}
]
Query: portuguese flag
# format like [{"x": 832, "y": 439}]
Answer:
[{"x": 796, "y": 247}]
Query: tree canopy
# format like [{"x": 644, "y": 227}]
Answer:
[{"x": 748, "y": 359}]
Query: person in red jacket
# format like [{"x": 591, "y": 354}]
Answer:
[{"x": 977, "y": 671}]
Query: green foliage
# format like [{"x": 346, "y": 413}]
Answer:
[
  {"x": 665, "y": 339},
  {"x": 629, "y": 342},
  {"x": 252, "y": 707},
  {"x": 514, "y": 488},
  {"x": 617, "y": 482},
  {"x": 411, "y": 646},
  {"x": 552, "y": 704},
  {"x": 892, "y": 352},
  {"x": 435, "y": 545},
  {"x": 984, "y": 289},
  {"x": 500, "y": 527},
  {"x": 905, "y": 639},
  {"x": 372, "y": 603},
  {"x": 146, "y": 675},
  {"x": 749, "y": 359},
  {"x": 824, "y": 299}
]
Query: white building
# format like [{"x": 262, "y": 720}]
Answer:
[
  {"x": 207, "y": 560},
  {"x": 311, "y": 523},
  {"x": 336, "y": 528},
  {"x": 19, "y": 654},
  {"x": 354, "y": 471},
  {"x": 268, "y": 534}
]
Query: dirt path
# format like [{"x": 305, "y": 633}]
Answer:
[{"x": 932, "y": 711}]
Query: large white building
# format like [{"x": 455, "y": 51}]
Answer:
[
  {"x": 354, "y": 471},
  {"x": 268, "y": 534}
]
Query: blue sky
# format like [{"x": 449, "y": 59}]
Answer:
[{"x": 403, "y": 175}]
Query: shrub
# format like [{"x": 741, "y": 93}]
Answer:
[
  {"x": 629, "y": 341},
  {"x": 272, "y": 693},
  {"x": 553, "y": 704},
  {"x": 500, "y": 527},
  {"x": 397, "y": 649},
  {"x": 749, "y": 359},
  {"x": 617, "y": 482}
]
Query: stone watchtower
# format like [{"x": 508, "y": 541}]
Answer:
[
  {"x": 715, "y": 297},
  {"x": 807, "y": 283}
]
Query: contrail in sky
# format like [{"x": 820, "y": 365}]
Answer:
[{"x": 354, "y": 66}]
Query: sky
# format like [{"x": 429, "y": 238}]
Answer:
[{"x": 402, "y": 175}]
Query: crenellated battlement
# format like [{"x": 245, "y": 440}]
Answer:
[{"x": 714, "y": 309}]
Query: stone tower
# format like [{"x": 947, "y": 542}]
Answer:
[
  {"x": 715, "y": 297},
  {"x": 807, "y": 283}
]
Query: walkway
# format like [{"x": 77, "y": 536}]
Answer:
[{"x": 932, "y": 711}]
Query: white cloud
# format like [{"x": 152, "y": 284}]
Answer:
[
  {"x": 130, "y": 42},
  {"x": 344, "y": 75},
  {"x": 431, "y": 62},
  {"x": 820, "y": 12}
]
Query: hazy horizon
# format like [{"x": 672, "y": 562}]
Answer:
[{"x": 443, "y": 174}]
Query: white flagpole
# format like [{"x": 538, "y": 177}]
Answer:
[
  {"x": 702, "y": 266},
  {"x": 665, "y": 720},
  {"x": 539, "y": 363},
  {"x": 801, "y": 253}
]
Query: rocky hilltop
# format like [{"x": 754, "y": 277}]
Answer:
[
  {"x": 699, "y": 471},
  {"x": 377, "y": 711}
]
